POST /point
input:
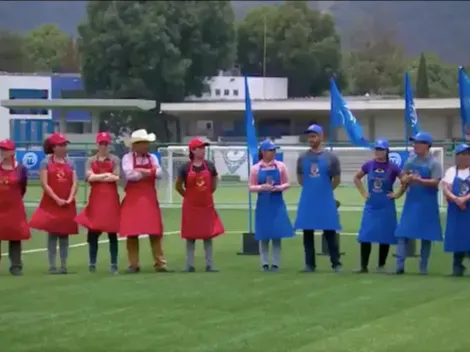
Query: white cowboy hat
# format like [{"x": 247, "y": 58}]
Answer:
[{"x": 140, "y": 136}]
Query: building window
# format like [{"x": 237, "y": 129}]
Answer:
[
  {"x": 226, "y": 92},
  {"x": 77, "y": 127},
  {"x": 28, "y": 94},
  {"x": 235, "y": 92},
  {"x": 217, "y": 92},
  {"x": 73, "y": 94}
]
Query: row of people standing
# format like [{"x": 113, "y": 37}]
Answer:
[{"x": 318, "y": 172}]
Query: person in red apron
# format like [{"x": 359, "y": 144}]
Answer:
[
  {"x": 196, "y": 183},
  {"x": 140, "y": 210},
  {"x": 102, "y": 212},
  {"x": 57, "y": 210},
  {"x": 13, "y": 224}
]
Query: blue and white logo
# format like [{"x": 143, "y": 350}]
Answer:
[
  {"x": 30, "y": 160},
  {"x": 234, "y": 159},
  {"x": 395, "y": 158}
]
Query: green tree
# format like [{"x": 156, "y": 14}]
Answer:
[
  {"x": 442, "y": 77},
  {"x": 158, "y": 50},
  {"x": 290, "y": 41},
  {"x": 45, "y": 47},
  {"x": 70, "y": 62},
  {"x": 422, "y": 87},
  {"x": 375, "y": 65},
  {"x": 12, "y": 53}
]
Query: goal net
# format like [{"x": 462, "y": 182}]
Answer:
[{"x": 232, "y": 164}]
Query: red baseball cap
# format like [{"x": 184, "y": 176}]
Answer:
[
  {"x": 103, "y": 137},
  {"x": 7, "y": 144},
  {"x": 57, "y": 139},
  {"x": 196, "y": 143}
]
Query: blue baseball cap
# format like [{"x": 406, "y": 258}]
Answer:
[
  {"x": 268, "y": 145},
  {"x": 461, "y": 148},
  {"x": 314, "y": 129},
  {"x": 381, "y": 143},
  {"x": 422, "y": 137}
]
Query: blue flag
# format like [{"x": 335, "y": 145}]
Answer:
[
  {"x": 464, "y": 92},
  {"x": 411, "y": 116},
  {"x": 251, "y": 139},
  {"x": 341, "y": 115}
]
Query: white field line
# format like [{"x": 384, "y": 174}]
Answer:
[{"x": 83, "y": 244}]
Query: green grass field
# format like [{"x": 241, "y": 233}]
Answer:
[{"x": 239, "y": 309}]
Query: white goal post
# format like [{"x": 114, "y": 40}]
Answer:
[{"x": 232, "y": 165}]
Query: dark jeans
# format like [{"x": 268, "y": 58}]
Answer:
[
  {"x": 458, "y": 266},
  {"x": 93, "y": 246},
  {"x": 366, "y": 249},
  {"x": 14, "y": 253},
  {"x": 309, "y": 248}
]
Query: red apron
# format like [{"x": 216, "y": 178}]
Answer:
[
  {"x": 103, "y": 209},
  {"x": 13, "y": 223},
  {"x": 49, "y": 216},
  {"x": 200, "y": 220},
  {"x": 140, "y": 211}
]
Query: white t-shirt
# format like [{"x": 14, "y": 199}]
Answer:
[{"x": 450, "y": 174}]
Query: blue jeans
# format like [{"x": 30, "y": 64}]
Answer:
[{"x": 425, "y": 252}]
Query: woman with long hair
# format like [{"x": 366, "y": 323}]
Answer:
[
  {"x": 269, "y": 179},
  {"x": 379, "y": 218},
  {"x": 102, "y": 211},
  {"x": 57, "y": 210},
  {"x": 196, "y": 183},
  {"x": 13, "y": 224}
]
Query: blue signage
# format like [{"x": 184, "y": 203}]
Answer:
[
  {"x": 398, "y": 157},
  {"x": 31, "y": 160}
]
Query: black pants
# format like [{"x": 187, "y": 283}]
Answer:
[
  {"x": 14, "y": 253},
  {"x": 309, "y": 248},
  {"x": 366, "y": 249},
  {"x": 93, "y": 246}
]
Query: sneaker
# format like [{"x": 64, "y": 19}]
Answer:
[
  {"x": 458, "y": 273},
  {"x": 63, "y": 270},
  {"x": 92, "y": 268},
  {"x": 337, "y": 268},
  {"x": 381, "y": 269},
  {"x": 53, "y": 271},
  {"x": 162, "y": 269},
  {"x": 265, "y": 268},
  {"x": 114, "y": 269},
  {"x": 423, "y": 272},
  {"x": 133, "y": 270},
  {"x": 400, "y": 271},
  {"x": 16, "y": 271},
  {"x": 308, "y": 269},
  {"x": 274, "y": 269},
  {"x": 210, "y": 269},
  {"x": 190, "y": 269},
  {"x": 362, "y": 271}
]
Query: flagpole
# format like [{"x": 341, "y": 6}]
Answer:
[
  {"x": 405, "y": 119},
  {"x": 264, "y": 57},
  {"x": 250, "y": 196},
  {"x": 461, "y": 97}
]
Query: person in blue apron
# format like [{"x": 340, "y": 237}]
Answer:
[
  {"x": 456, "y": 185},
  {"x": 379, "y": 218},
  {"x": 420, "y": 219},
  {"x": 319, "y": 173},
  {"x": 269, "y": 179}
]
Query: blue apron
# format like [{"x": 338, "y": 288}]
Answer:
[
  {"x": 457, "y": 235},
  {"x": 271, "y": 217},
  {"x": 379, "y": 219},
  {"x": 420, "y": 218},
  {"x": 317, "y": 207}
]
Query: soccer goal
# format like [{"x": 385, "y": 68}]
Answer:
[{"x": 233, "y": 166}]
